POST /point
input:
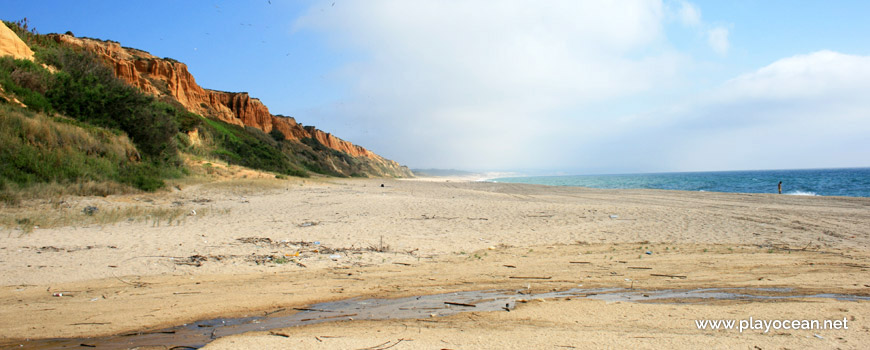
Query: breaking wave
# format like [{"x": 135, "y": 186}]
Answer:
[{"x": 802, "y": 193}]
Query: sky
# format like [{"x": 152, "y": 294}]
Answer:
[{"x": 535, "y": 87}]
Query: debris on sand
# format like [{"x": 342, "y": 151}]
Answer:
[{"x": 90, "y": 210}]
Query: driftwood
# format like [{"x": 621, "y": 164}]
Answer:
[
  {"x": 459, "y": 304},
  {"x": 89, "y": 323},
  {"x": 309, "y": 309},
  {"x": 274, "y": 312},
  {"x": 327, "y": 317}
]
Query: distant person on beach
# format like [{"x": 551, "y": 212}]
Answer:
[{"x": 780, "y": 187}]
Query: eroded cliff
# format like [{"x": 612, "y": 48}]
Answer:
[{"x": 168, "y": 77}]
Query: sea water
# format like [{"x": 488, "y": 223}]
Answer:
[{"x": 853, "y": 182}]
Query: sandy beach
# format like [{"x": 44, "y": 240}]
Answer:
[{"x": 252, "y": 247}]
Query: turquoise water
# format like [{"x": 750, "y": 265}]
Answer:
[{"x": 853, "y": 182}]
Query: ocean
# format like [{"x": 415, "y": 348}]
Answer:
[{"x": 852, "y": 182}]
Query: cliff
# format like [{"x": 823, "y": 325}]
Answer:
[
  {"x": 11, "y": 45},
  {"x": 168, "y": 77}
]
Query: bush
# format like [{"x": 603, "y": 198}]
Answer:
[
  {"x": 277, "y": 135},
  {"x": 186, "y": 121},
  {"x": 88, "y": 90},
  {"x": 37, "y": 149},
  {"x": 144, "y": 176},
  {"x": 249, "y": 147},
  {"x": 26, "y": 80}
]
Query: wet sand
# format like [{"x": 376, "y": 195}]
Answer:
[{"x": 261, "y": 246}]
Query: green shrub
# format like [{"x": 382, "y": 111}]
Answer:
[
  {"x": 277, "y": 135},
  {"x": 36, "y": 149},
  {"x": 314, "y": 144},
  {"x": 87, "y": 89},
  {"x": 26, "y": 80},
  {"x": 186, "y": 120},
  {"x": 144, "y": 176},
  {"x": 249, "y": 147}
]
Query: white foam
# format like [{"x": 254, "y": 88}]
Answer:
[{"x": 802, "y": 193}]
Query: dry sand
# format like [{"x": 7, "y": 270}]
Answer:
[{"x": 251, "y": 249}]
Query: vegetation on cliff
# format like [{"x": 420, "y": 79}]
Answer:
[
  {"x": 69, "y": 119},
  {"x": 62, "y": 138},
  {"x": 73, "y": 158}
]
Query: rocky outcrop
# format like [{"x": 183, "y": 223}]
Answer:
[
  {"x": 11, "y": 44},
  {"x": 168, "y": 77}
]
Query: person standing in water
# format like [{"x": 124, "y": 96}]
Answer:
[{"x": 780, "y": 187}]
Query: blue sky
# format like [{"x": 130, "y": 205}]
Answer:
[{"x": 544, "y": 87}]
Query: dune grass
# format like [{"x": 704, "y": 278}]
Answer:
[{"x": 60, "y": 214}]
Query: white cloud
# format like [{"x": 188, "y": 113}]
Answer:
[
  {"x": 717, "y": 38},
  {"x": 689, "y": 14},
  {"x": 481, "y": 84},
  {"x": 564, "y": 85},
  {"x": 798, "y": 112},
  {"x": 823, "y": 73}
]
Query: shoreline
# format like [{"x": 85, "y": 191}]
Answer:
[
  {"x": 357, "y": 239},
  {"x": 716, "y": 181},
  {"x": 793, "y": 193}
]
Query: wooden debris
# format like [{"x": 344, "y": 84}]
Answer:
[
  {"x": 459, "y": 304},
  {"x": 639, "y": 268},
  {"x": 141, "y": 333},
  {"x": 510, "y": 266},
  {"x": 89, "y": 323},
  {"x": 327, "y": 317},
  {"x": 193, "y": 260},
  {"x": 856, "y": 265},
  {"x": 580, "y": 262},
  {"x": 274, "y": 312},
  {"x": 279, "y": 334},
  {"x": 664, "y": 275},
  {"x": 309, "y": 309}
]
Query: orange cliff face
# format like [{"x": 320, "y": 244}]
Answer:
[{"x": 162, "y": 76}]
